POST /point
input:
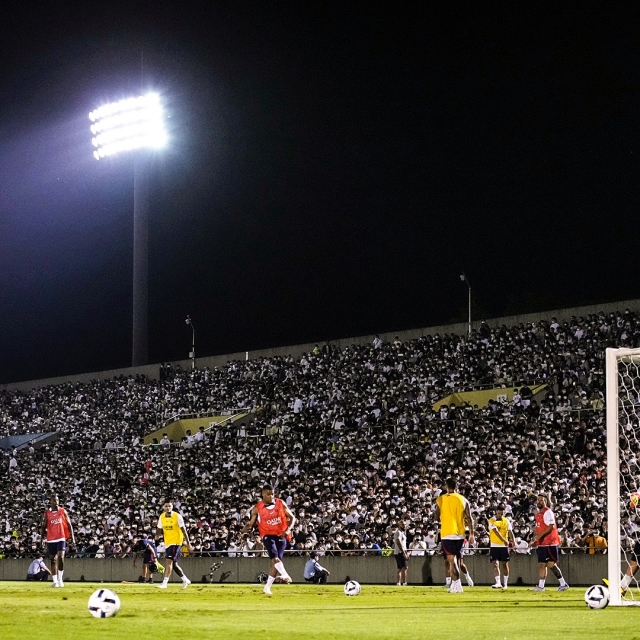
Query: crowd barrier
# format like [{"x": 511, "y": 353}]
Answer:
[{"x": 579, "y": 569}]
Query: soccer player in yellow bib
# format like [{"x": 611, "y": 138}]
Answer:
[
  {"x": 454, "y": 514},
  {"x": 171, "y": 526},
  {"x": 500, "y": 535}
]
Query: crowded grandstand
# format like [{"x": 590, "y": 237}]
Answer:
[{"x": 353, "y": 439}]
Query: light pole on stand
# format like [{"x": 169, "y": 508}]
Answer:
[
  {"x": 464, "y": 278},
  {"x": 192, "y": 353}
]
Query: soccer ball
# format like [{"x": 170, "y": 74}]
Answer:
[
  {"x": 103, "y": 603},
  {"x": 352, "y": 588},
  {"x": 597, "y": 597}
]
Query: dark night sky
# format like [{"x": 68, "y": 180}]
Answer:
[{"x": 332, "y": 169}]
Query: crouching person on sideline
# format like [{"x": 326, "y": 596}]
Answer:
[
  {"x": 314, "y": 571},
  {"x": 38, "y": 570}
]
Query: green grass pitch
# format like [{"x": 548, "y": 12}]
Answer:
[{"x": 36, "y": 611}]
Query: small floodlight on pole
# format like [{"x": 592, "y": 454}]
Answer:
[
  {"x": 134, "y": 124},
  {"x": 192, "y": 354},
  {"x": 464, "y": 278}
]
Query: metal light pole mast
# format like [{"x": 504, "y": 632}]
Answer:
[
  {"x": 139, "y": 351},
  {"x": 192, "y": 354},
  {"x": 464, "y": 278}
]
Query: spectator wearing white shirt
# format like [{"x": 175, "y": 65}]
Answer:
[
  {"x": 431, "y": 540},
  {"x": 418, "y": 546}
]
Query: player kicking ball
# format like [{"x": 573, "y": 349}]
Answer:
[
  {"x": 171, "y": 526},
  {"x": 275, "y": 522}
]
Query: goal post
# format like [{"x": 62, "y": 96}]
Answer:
[{"x": 623, "y": 444}]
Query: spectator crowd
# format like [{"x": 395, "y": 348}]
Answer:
[{"x": 349, "y": 438}]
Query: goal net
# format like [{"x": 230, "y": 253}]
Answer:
[{"x": 623, "y": 470}]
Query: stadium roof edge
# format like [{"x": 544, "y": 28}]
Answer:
[{"x": 152, "y": 370}]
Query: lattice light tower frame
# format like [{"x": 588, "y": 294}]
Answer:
[{"x": 134, "y": 125}]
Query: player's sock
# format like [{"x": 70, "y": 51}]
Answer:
[
  {"x": 558, "y": 574},
  {"x": 498, "y": 579},
  {"x": 505, "y": 580},
  {"x": 55, "y": 579},
  {"x": 447, "y": 582},
  {"x": 281, "y": 570},
  {"x": 541, "y": 582},
  {"x": 467, "y": 577},
  {"x": 60, "y": 576},
  {"x": 165, "y": 581},
  {"x": 626, "y": 581}
]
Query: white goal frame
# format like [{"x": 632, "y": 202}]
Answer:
[{"x": 613, "y": 356}]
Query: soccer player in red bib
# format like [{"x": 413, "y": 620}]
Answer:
[
  {"x": 56, "y": 526},
  {"x": 548, "y": 542},
  {"x": 275, "y": 522}
]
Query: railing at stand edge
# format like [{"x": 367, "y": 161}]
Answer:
[
  {"x": 503, "y": 385},
  {"x": 248, "y": 553},
  {"x": 210, "y": 413}
]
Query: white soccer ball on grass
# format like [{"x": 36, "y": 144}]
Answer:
[
  {"x": 597, "y": 597},
  {"x": 352, "y": 588},
  {"x": 104, "y": 603}
]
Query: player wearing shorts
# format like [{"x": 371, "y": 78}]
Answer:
[
  {"x": 171, "y": 526},
  {"x": 56, "y": 530},
  {"x": 400, "y": 553},
  {"x": 634, "y": 563},
  {"x": 500, "y": 534},
  {"x": 454, "y": 514},
  {"x": 146, "y": 548},
  {"x": 548, "y": 542},
  {"x": 464, "y": 570},
  {"x": 275, "y": 522}
]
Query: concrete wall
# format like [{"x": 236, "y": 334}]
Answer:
[{"x": 578, "y": 569}]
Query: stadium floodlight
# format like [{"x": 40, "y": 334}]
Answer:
[{"x": 134, "y": 123}]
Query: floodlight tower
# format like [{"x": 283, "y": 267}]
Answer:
[{"x": 134, "y": 124}]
